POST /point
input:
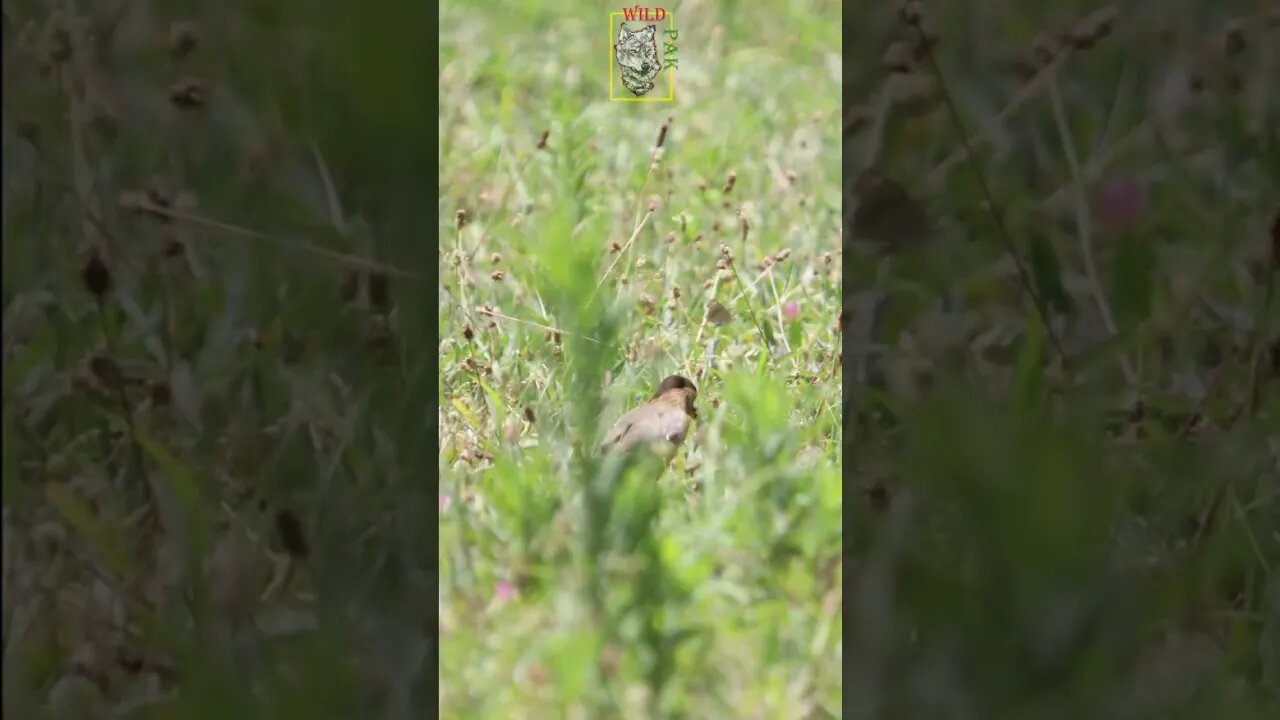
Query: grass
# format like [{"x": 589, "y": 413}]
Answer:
[
  {"x": 1063, "y": 419},
  {"x": 583, "y": 272},
  {"x": 217, "y": 372}
]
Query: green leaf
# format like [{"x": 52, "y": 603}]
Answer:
[
  {"x": 181, "y": 481},
  {"x": 102, "y": 537},
  {"x": 1029, "y": 387}
]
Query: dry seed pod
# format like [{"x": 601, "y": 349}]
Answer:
[
  {"x": 291, "y": 535},
  {"x": 96, "y": 276},
  {"x": 106, "y": 370},
  {"x": 173, "y": 247},
  {"x": 189, "y": 94},
  {"x": 1102, "y": 20},
  {"x": 877, "y": 495},
  {"x": 1092, "y": 28},
  {"x": 911, "y": 12},
  {"x": 379, "y": 293},
  {"x": 160, "y": 393},
  {"x": 1233, "y": 39},
  {"x": 159, "y": 199},
  {"x": 662, "y": 134},
  {"x": 182, "y": 39},
  {"x": 542, "y": 139},
  {"x": 1044, "y": 50}
]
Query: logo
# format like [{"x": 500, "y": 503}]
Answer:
[{"x": 643, "y": 55}]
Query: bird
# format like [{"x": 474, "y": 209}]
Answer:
[{"x": 660, "y": 423}]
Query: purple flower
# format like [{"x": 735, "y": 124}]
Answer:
[
  {"x": 791, "y": 311},
  {"x": 1121, "y": 202},
  {"x": 504, "y": 591}
]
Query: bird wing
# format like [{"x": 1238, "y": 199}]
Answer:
[
  {"x": 616, "y": 433},
  {"x": 647, "y": 425}
]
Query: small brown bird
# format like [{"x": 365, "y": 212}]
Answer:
[{"x": 663, "y": 420}]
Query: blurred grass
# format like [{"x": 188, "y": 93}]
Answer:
[
  {"x": 583, "y": 273},
  {"x": 1096, "y": 535},
  {"x": 217, "y": 480}
]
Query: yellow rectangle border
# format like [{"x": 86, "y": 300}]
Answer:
[{"x": 671, "y": 72}]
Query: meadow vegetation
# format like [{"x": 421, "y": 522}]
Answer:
[
  {"x": 590, "y": 248},
  {"x": 1064, "y": 471},
  {"x": 218, "y": 361}
]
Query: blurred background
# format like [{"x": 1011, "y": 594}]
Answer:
[
  {"x": 218, "y": 437},
  {"x": 1077, "y": 517}
]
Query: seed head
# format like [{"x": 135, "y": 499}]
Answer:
[
  {"x": 189, "y": 94},
  {"x": 662, "y": 132},
  {"x": 291, "y": 535},
  {"x": 106, "y": 370},
  {"x": 1233, "y": 39},
  {"x": 183, "y": 38},
  {"x": 379, "y": 293},
  {"x": 160, "y": 393},
  {"x": 96, "y": 276},
  {"x": 912, "y": 13}
]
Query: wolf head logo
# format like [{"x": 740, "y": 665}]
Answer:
[{"x": 637, "y": 52}]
